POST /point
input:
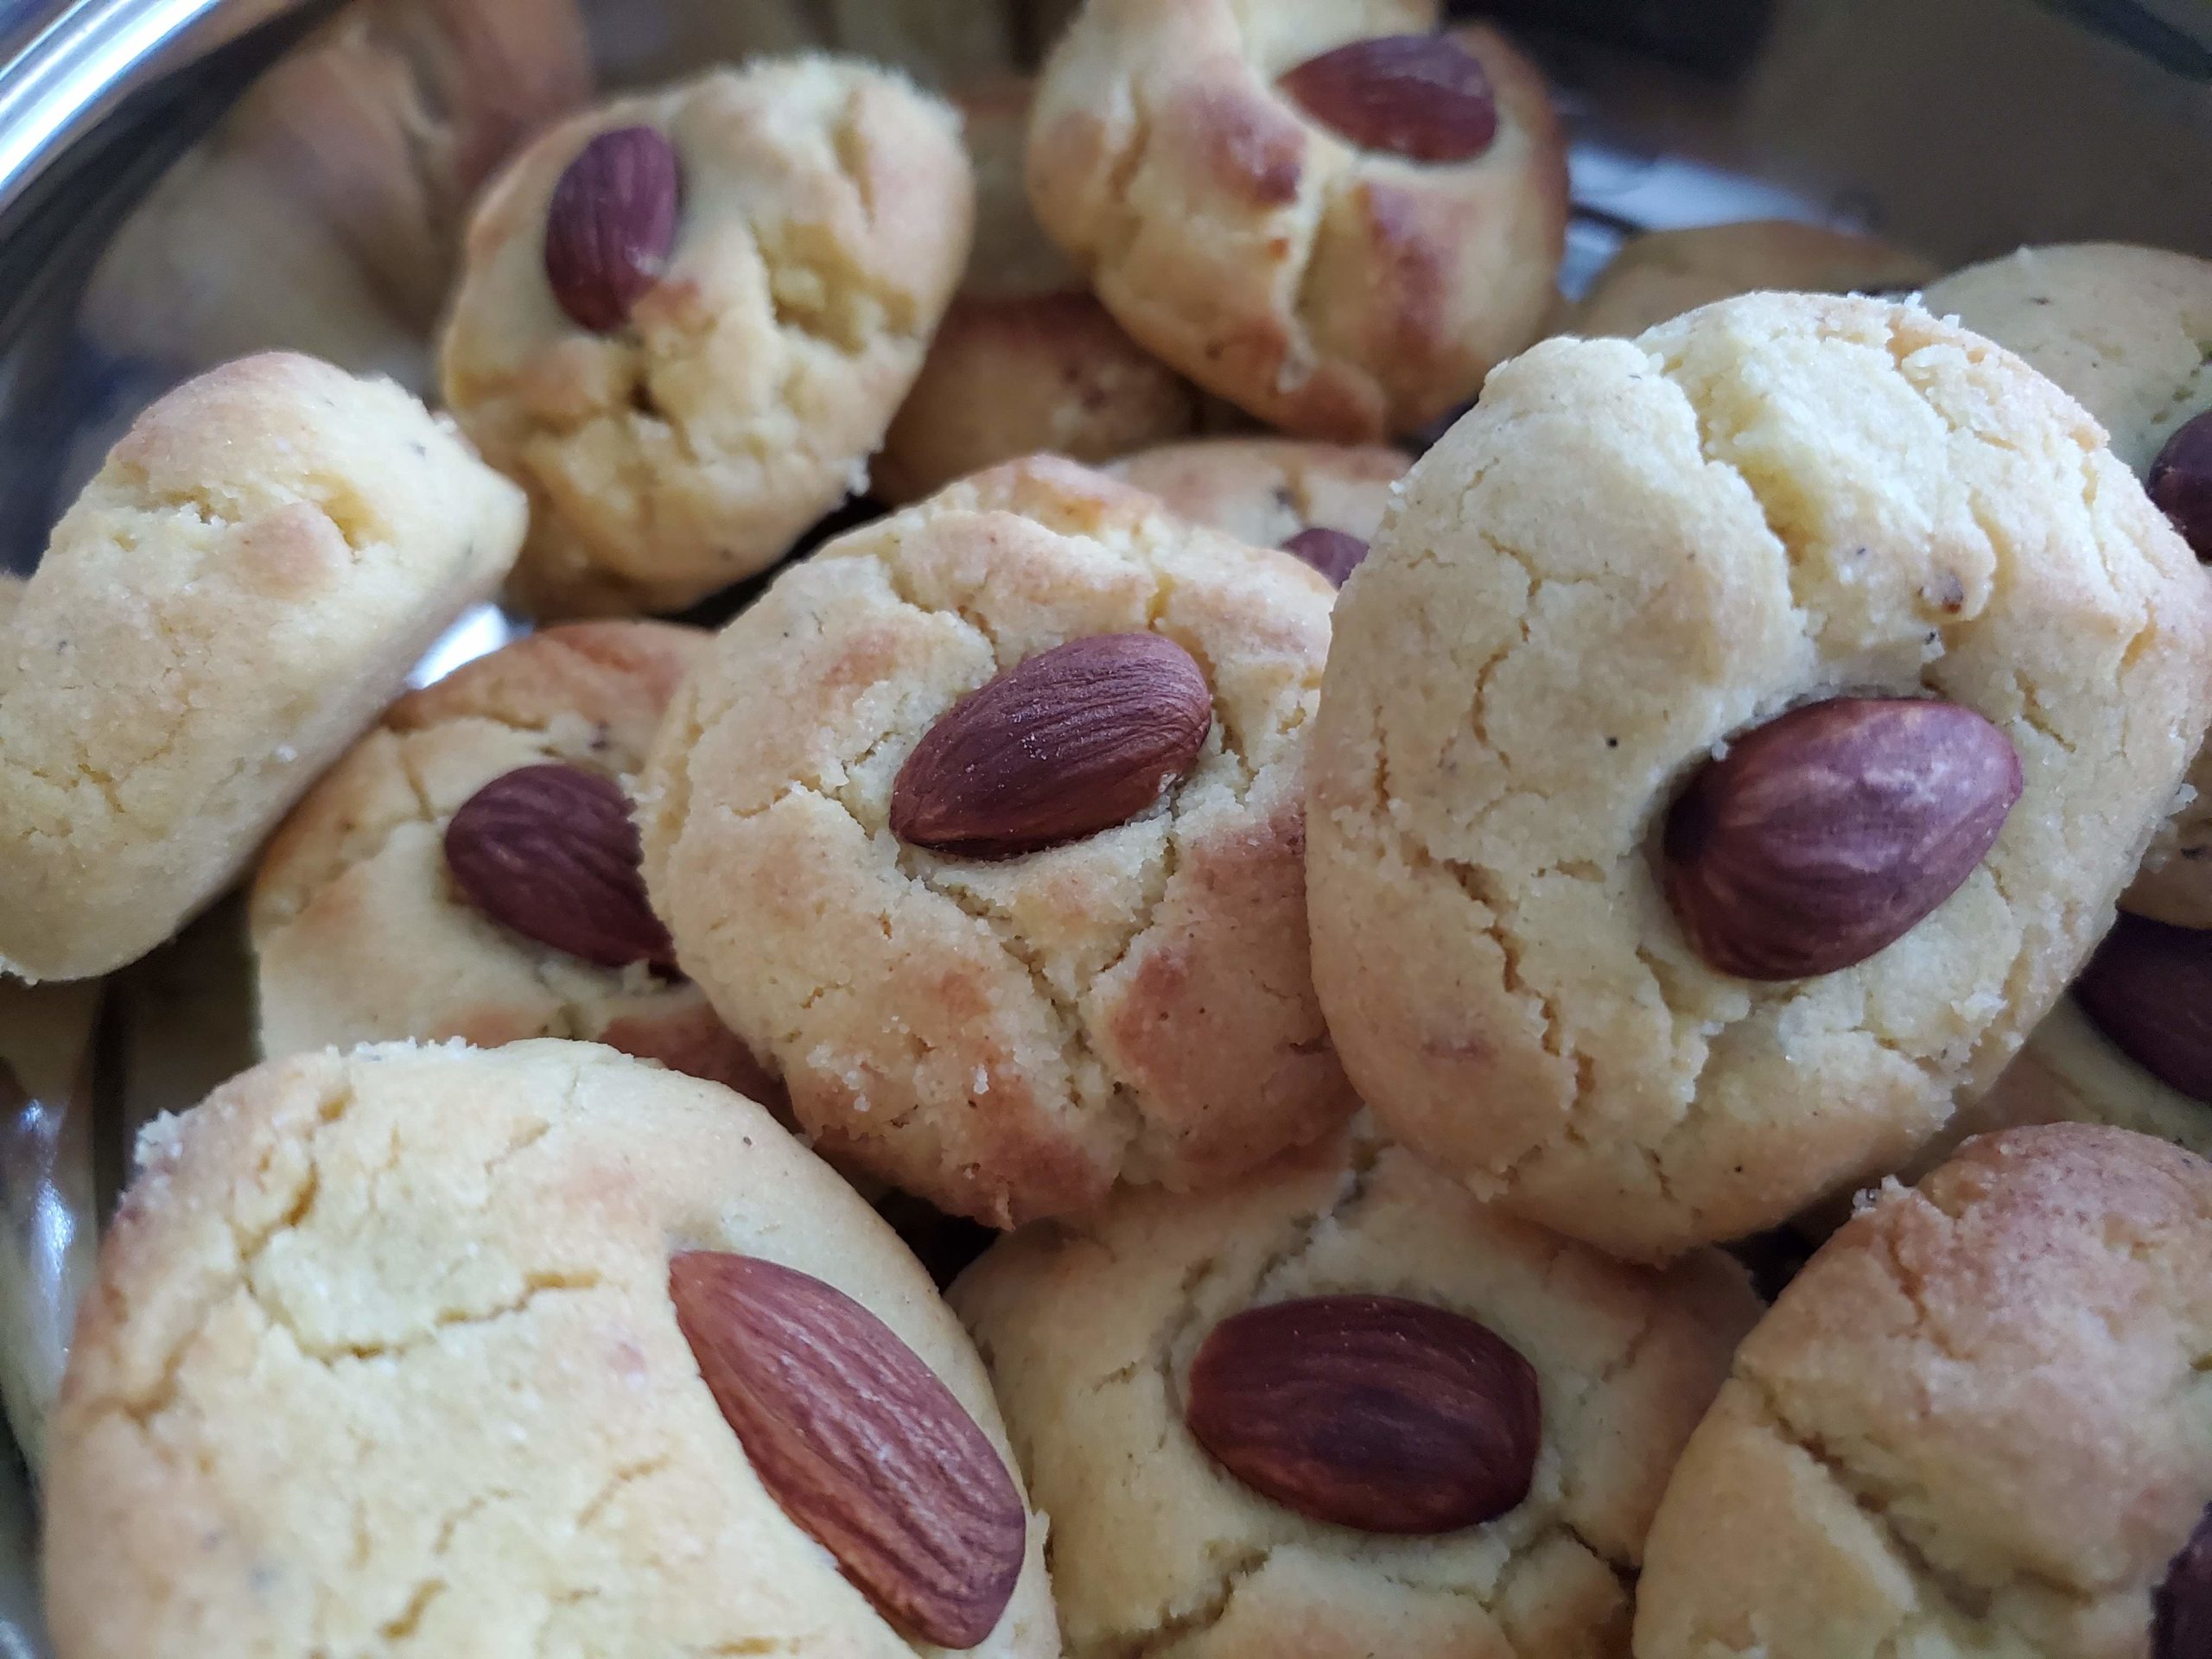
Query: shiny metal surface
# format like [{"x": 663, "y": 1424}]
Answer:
[{"x": 1960, "y": 126}]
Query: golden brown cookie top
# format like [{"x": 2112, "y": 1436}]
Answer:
[
  {"x": 1664, "y": 273},
  {"x": 1265, "y": 491}
]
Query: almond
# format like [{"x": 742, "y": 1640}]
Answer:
[
  {"x": 1374, "y": 1412},
  {"x": 1073, "y": 741},
  {"x": 2180, "y": 482},
  {"x": 2148, "y": 987},
  {"x": 2180, "y": 1608},
  {"x": 1826, "y": 835},
  {"x": 1334, "y": 553},
  {"x": 1425, "y": 97},
  {"x": 859, "y": 1442},
  {"x": 550, "y": 852},
  {"x": 611, "y": 225}
]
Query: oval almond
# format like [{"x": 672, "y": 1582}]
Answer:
[
  {"x": 859, "y": 1442},
  {"x": 1375, "y": 1412},
  {"x": 2148, "y": 987},
  {"x": 1073, "y": 741},
  {"x": 611, "y": 225},
  {"x": 1827, "y": 833},
  {"x": 1424, "y": 97}
]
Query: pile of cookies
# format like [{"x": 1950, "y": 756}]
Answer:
[{"x": 1329, "y": 958}]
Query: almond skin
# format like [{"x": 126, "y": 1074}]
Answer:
[
  {"x": 1424, "y": 97},
  {"x": 2180, "y": 482},
  {"x": 1374, "y": 1412},
  {"x": 1074, "y": 740},
  {"x": 611, "y": 225},
  {"x": 2181, "y": 1617},
  {"x": 1335, "y": 553},
  {"x": 1827, "y": 833},
  {"x": 2148, "y": 987},
  {"x": 550, "y": 852},
  {"x": 859, "y": 1442}
]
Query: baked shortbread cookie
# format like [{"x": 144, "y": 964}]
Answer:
[
  {"x": 1026, "y": 358},
  {"x": 1324, "y": 212},
  {"x": 1321, "y": 501},
  {"x": 244, "y": 585},
  {"x": 2128, "y": 331},
  {"x": 469, "y": 869},
  {"x": 1664, "y": 273},
  {"x": 687, "y": 318},
  {"x": 1976, "y": 1424},
  {"x": 1341, "y": 1409},
  {"x": 1735, "y": 742},
  {"x": 984, "y": 828},
  {"x": 438, "y": 1350}
]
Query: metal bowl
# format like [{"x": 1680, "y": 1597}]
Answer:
[{"x": 1960, "y": 127}]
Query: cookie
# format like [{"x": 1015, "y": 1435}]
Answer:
[
  {"x": 1026, "y": 358},
  {"x": 1114, "y": 1342},
  {"x": 1600, "y": 930},
  {"x": 1335, "y": 226},
  {"x": 984, "y": 828},
  {"x": 1976, "y": 1424},
  {"x": 440, "y": 1349},
  {"x": 2127, "y": 331},
  {"x": 683, "y": 397},
  {"x": 1664, "y": 273},
  {"x": 244, "y": 585},
  {"x": 370, "y": 924},
  {"x": 1322, "y": 501}
]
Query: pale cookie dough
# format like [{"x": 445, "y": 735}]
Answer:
[
  {"x": 824, "y": 220},
  {"x": 1026, "y": 358},
  {"x": 1627, "y": 554},
  {"x": 2128, "y": 331},
  {"x": 1331, "y": 290},
  {"x": 1010, "y": 1039},
  {"x": 1265, "y": 491},
  {"x": 1975, "y": 1425},
  {"x": 1088, "y": 1329},
  {"x": 245, "y": 583},
  {"x": 1664, "y": 273},
  {"x": 360, "y": 931},
  {"x": 382, "y": 1360}
]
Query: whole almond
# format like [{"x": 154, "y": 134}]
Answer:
[
  {"x": 1374, "y": 1412},
  {"x": 550, "y": 852},
  {"x": 1425, "y": 97},
  {"x": 859, "y": 1442},
  {"x": 1335, "y": 553},
  {"x": 2181, "y": 1607},
  {"x": 611, "y": 225},
  {"x": 1826, "y": 835},
  {"x": 2180, "y": 482},
  {"x": 2148, "y": 986},
  {"x": 1074, "y": 740}
]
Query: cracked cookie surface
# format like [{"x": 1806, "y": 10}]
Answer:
[
  {"x": 825, "y": 213},
  {"x": 1007, "y": 1039},
  {"x": 1980, "y": 1422},
  {"x": 1630, "y": 552},
  {"x": 1088, "y": 1327},
  {"x": 247, "y": 581},
  {"x": 2128, "y": 332},
  {"x": 381, "y": 1361},
  {"x": 1265, "y": 491},
  {"x": 1332, "y": 291},
  {"x": 359, "y": 931}
]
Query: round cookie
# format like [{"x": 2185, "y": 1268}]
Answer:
[
  {"x": 1627, "y": 558},
  {"x": 1009, "y": 1036},
  {"x": 406, "y": 1344},
  {"x": 1332, "y": 288},
  {"x": 817, "y": 214},
  {"x": 1026, "y": 358},
  {"x": 1976, "y": 1424},
  {"x": 2127, "y": 331},
  {"x": 1271, "y": 491},
  {"x": 363, "y": 933},
  {"x": 1091, "y": 1331},
  {"x": 247, "y": 581},
  {"x": 1664, "y": 273}
]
